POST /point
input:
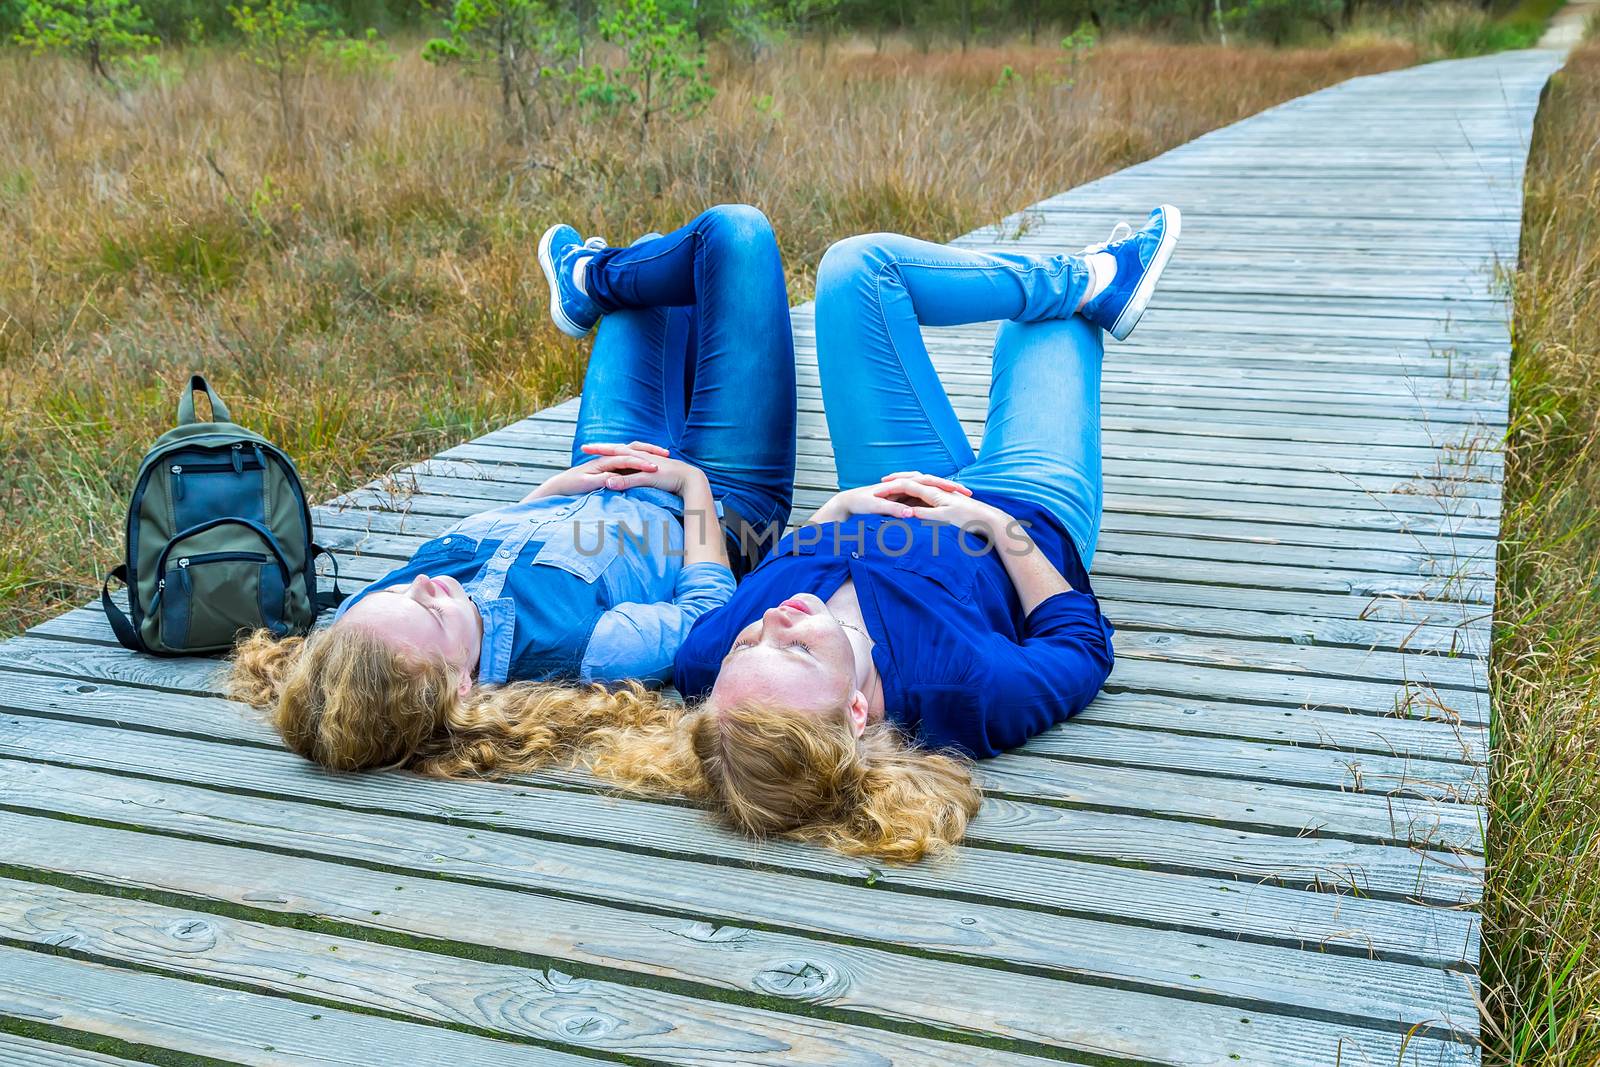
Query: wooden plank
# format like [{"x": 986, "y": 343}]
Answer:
[
  {"x": 514, "y": 467},
  {"x": 18, "y": 1051},
  {"x": 534, "y": 1003},
  {"x": 103, "y": 661},
  {"x": 100, "y": 661},
  {"x": 232, "y": 1025},
  {"x": 773, "y": 970},
  {"x": 1335, "y": 730},
  {"x": 515, "y": 456},
  {"x": 1193, "y": 964},
  {"x": 1220, "y": 906}
]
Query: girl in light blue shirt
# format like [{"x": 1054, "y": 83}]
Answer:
[{"x": 683, "y": 472}]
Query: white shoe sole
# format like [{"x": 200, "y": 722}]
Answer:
[
  {"x": 557, "y": 316},
  {"x": 1134, "y": 311}
]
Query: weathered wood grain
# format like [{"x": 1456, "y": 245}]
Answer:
[
  {"x": 772, "y": 970},
  {"x": 17, "y": 1051},
  {"x": 1252, "y": 907},
  {"x": 1297, "y": 814},
  {"x": 537, "y": 1003},
  {"x": 487, "y": 867},
  {"x": 235, "y": 1026}
]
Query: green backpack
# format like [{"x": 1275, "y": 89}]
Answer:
[{"x": 219, "y": 540}]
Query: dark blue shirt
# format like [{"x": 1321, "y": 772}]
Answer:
[{"x": 962, "y": 666}]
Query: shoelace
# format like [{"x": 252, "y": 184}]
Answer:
[
  {"x": 593, "y": 244},
  {"x": 1120, "y": 232}
]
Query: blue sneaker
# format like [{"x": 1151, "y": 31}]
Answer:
[
  {"x": 570, "y": 307},
  {"x": 1141, "y": 257}
]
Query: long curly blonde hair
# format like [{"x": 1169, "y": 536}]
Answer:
[
  {"x": 772, "y": 771},
  {"x": 349, "y": 701}
]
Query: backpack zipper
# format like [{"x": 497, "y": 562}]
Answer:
[
  {"x": 234, "y": 463},
  {"x": 274, "y": 556}
]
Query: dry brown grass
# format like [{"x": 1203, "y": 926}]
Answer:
[
  {"x": 1542, "y": 902},
  {"x": 370, "y": 297}
]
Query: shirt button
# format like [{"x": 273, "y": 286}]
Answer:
[
  {"x": 446, "y": 541},
  {"x": 855, "y": 555},
  {"x": 505, "y": 553}
]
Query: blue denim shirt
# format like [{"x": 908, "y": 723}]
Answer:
[
  {"x": 963, "y": 667},
  {"x": 590, "y": 587}
]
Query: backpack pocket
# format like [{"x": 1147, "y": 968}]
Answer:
[
  {"x": 217, "y": 481},
  {"x": 217, "y": 579}
]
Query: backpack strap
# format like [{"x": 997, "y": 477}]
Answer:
[
  {"x": 198, "y": 383},
  {"x": 334, "y": 597},
  {"x": 121, "y": 625}
]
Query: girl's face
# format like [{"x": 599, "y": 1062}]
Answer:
[
  {"x": 431, "y": 616},
  {"x": 796, "y": 655}
]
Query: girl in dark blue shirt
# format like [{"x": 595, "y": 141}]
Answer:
[{"x": 941, "y": 598}]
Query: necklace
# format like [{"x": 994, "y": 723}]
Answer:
[{"x": 857, "y": 629}]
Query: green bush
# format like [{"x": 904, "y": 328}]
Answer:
[
  {"x": 364, "y": 56},
  {"x": 279, "y": 36},
  {"x": 661, "y": 72},
  {"x": 1453, "y": 31},
  {"x": 527, "y": 47},
  {"x": 1283, "y": 21},
  {"x": 96, "y": 30}
]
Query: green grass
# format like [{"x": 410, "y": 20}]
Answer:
[{"x": 1542, "y": 901}]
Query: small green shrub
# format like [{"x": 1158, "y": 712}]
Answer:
[
  {"x": 530, "y": 51},
  {"x": 96, "y": 30},
  {"x": 661, "y": 72},
  {"x": 278, "y": 36},
  {"x": 151, "y": 70},
  {"x": 1283, "y": 21},
  {"x": 358, "y": 56}
]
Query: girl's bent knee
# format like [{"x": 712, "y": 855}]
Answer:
[
  {"x": 740, "y": 221},
  {"x": 852, "y": 257}
]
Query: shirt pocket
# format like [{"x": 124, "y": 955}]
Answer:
[
  {"x": 951, "y": 570},
  {"x": 450, "y": 546},
  {"x": 584, "y": 547}
]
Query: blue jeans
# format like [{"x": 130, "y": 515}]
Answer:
[
  {"x": 695, "y": 353},
  {"x": 887, "y": 410}
]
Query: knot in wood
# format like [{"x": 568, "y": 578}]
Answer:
[
  {"x": 797, "y": 978},
  {"x": 709, "y": 934},
  {"x": 192, "y": 933},
  {"x": 586, "y": 1024}
]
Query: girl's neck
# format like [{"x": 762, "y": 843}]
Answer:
[{"x": 846, "y": 607}]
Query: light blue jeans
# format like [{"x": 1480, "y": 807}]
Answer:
[{"x": 887, "y": 410}]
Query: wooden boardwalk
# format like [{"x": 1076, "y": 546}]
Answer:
[{"x": 1261, "y": 845}]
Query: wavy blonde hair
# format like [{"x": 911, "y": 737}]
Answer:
[
  {"x": 772, "y": 771},
  {"x": 347, "y": 700}
]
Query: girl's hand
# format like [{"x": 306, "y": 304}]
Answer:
[
  {"x": 961, "y": 510},
  {"x": 897, "y": 495},
  {"x": 926, "y": 479},
  {"x": 631, "y": 448},
  {"x": 646, "y": 464},
  {"x": 639, "y": 460}
]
